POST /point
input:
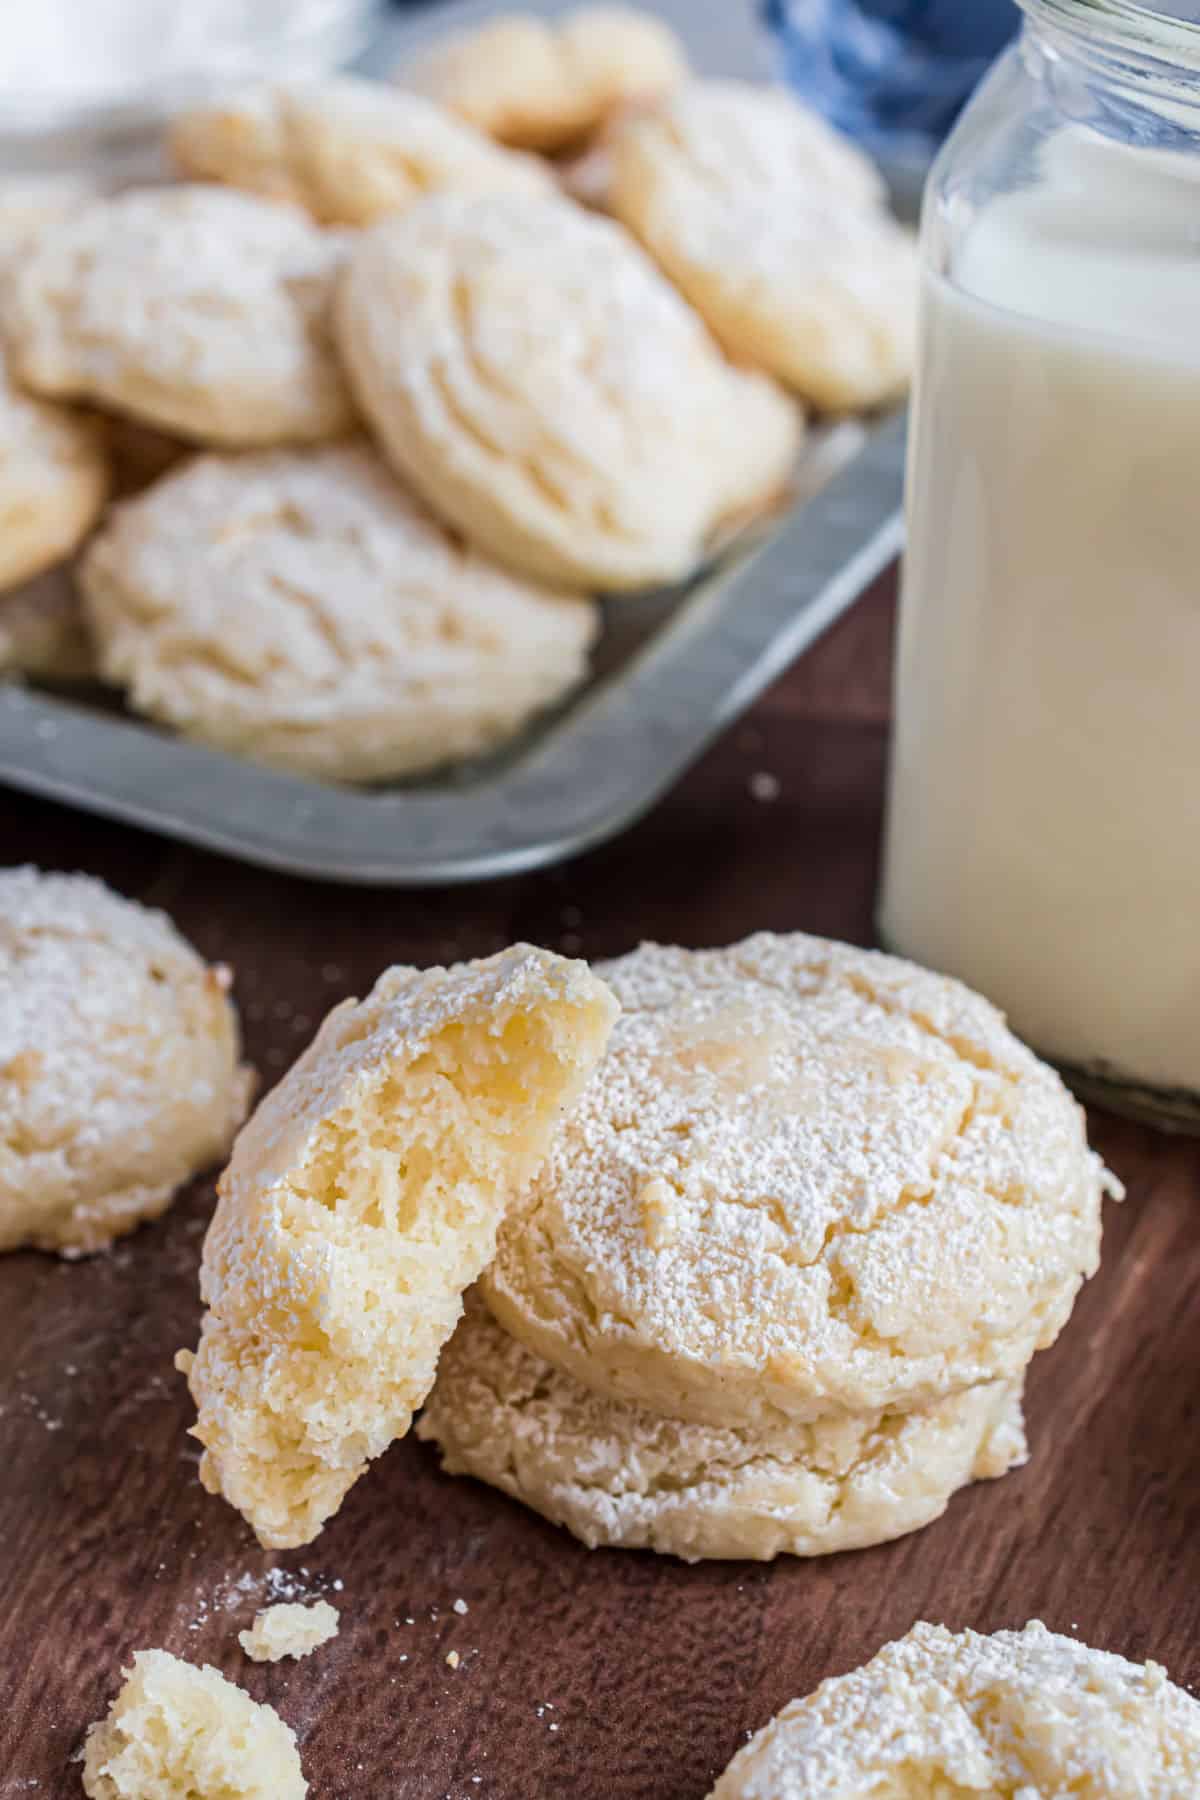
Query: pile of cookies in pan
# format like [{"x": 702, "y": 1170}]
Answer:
[{"x": 385, "y": 408}]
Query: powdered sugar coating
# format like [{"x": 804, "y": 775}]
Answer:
[
  {"x": 53, "y": 481},
  {"x": 362, "y": 1198},
  {"x": 301, "y": 607},
  {"x": 773, "y": 227},
  {"x": 119, "y": 1073},
  {"x": 543, "y": 83},
  {"x": 198, "y": 309},
  {"x": 546, "y": 390},
  {"x": 1021, "y": 1715},
  {"x": 806, "y": 1179},
  {"x": 616, "y": 1474},
  {"x": 349, "y": 151}
]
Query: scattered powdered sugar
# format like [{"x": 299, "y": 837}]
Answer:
[{"x": 274, "y": 1586}]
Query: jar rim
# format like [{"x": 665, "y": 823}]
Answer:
[
  {"x": 1152, "y": 49},
  {"x": 1169, "y": 31}
]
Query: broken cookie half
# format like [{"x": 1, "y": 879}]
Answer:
[{"x": 361, "y": 1200}]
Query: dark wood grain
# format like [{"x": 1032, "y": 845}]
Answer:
[{"x": 651, "y": 1672}]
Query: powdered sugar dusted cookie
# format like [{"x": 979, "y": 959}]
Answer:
[
  {"x": 119, "y": 1073},
  {"x": 28, "y": 203},
  {"x": 806, "y": 1179},
  {"x": 543, "y": 84},
  {"x": 302, "y": 608},
  {"x": 349, "y": 151},
  {"x": 362, "y": 1199},
  {"x": 198, "y": 309},
  {"x": 53, "y": 481},
  {"x": 1022, "y": 1713},
  {"x": 769, "y": 223},
  {"x": 616, "y": 1474},
  {"x": 546, "y": 390}
]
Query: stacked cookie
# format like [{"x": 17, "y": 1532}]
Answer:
[{"x": 777, "y": 1283}]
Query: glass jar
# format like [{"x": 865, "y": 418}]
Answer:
[
  {"x": 1043, "y": 836},
  {"x": 85, "y": 90}
]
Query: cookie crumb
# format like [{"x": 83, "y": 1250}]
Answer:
[
  {"x": 764, "y": 786},
  {"x": 453, "y": 1658},
  {"x": 289, "y": 1630}
]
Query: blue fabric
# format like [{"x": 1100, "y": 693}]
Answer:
[{"x": 890, "y": 72}]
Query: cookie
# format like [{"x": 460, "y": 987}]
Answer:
[
  {"x": 28, "y": 203},
  {"x": 302, "y": 608},
  {"x": 43, "y": 632},
  {"x": 176, "y": 1730},
  {"x": 619, "y": 1475},
  {"x": 361, "y": 1200},
  {"x": 119, "y": 1073},
  {"x": 1024, "y": 1713},
  {"x": 548, "y": 392},
  {"x": 806, "y": 1179},
  {"x": 543, "y": 84},
  {"x": 769, "y": 223},
  {"x": 197, "y": 309},
  {"x": 54, "y": 479},
  {"x": 347, "y": 150}
]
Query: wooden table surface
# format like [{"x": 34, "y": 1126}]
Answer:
[{"x": 602, "y": 1675}]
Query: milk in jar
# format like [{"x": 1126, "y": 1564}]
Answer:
[{"x": 1043, "y": 836}]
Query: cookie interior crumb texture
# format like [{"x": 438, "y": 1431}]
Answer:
[
  {"x": 1024, "y": 1715},
  {"x": 362, "y": 1199},
  {"x": 289, "y": 1629},
  {"x": 177, "y": 1732}
]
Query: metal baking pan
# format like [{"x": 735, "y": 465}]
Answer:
[{"x": 672, "y": 669}]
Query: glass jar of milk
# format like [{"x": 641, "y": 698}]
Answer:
[{"x": 1043, "y": 834}]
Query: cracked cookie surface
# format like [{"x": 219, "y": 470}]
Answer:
[
  {"x": 1020, "y": 1715},
  {"x": 348, "y": 151},
  {"x": 54, "y": 479},
  {"x": 197, "y": 309},
  {"x": 544, "y": 83},
  {"x": 618, "y": 1475},
  {"x": 301, "y": 607},
  {"x": 774, "y": 228},
  {"x": 535, "y": 378},
  {"x": 806, "y": 1179}
]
